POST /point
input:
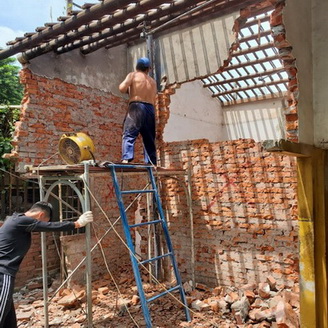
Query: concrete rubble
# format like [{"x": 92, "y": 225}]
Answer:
[{"x": 263, "y": 305}]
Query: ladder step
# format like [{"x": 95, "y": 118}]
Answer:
[
  {"x": 155, "y": 258},
  {"x": 137, "y": 191},
  {"x": 164, "y": 293},
  {"x": 144, "y": 223}
]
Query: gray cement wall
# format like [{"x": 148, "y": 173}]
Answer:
[
  {"x": 103, "y": 69},
  {"x": 320, "y": 72},
  {"x": 189, "y": 52}
]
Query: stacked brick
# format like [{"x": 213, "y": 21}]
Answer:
[
  {"x": 51, "y": 107},
  {"x": 245, "y": 212}
]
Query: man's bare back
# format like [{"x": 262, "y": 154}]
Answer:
[{"x": 140, "y": 87}]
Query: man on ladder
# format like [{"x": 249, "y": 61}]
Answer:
[{"x": 140, "y": 117}]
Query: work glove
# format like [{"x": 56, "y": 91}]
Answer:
[{"x": 85, "y": 218}]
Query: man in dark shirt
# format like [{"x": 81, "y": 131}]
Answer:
[{"x": 15, "y": 241}]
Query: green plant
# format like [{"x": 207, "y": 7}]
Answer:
[{"x": 11, "y": 93}]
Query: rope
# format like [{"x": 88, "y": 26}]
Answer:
[
  {"x": 131, "y": 253},
  {"x": 99, "y": 240},
  {"x": 112, "y": 277}
]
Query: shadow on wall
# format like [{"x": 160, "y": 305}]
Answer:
[
  {"x": 245, "y": 213},
  {"x": 259, "y": 121},
  {"x": 195, "y": 114}
]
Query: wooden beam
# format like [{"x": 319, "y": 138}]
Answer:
[
  {"x": 251, "y": 76},
  {"x": 254, "y": 86}
]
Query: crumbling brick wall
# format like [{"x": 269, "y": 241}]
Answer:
[
  {"x": 245, "y": 212},
  {"x": 51, "y": 107},
  {"x": 285, "y": 51}
]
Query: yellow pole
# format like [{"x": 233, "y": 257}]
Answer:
[
  {"x": 312, "y": 238},
  {"x": 306, "y": 243},
  {"x": 312, "y": 171}
]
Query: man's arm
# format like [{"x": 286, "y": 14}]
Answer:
[
  {"x": 125, "y": 85},
  {"x": 32, "y": 225}
]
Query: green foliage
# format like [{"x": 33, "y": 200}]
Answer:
[
  {"x": 8, "y": 117},
  {"x": 11, "y": 91}
]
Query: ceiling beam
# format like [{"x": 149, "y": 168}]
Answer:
[
  {"x": 176, "y": 7},
  {"x": 74, "y": 38},
  {"x": 254, "y": 86},
  {"x": 95, "y": 12},
  {"x": 250, "y": 63},
  {"x": 253, "y": 99},
  {"x": 253, "y": 76},
  {"x": 220, "y": 7}
]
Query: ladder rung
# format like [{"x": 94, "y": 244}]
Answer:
[
  {"x": 144, "y": 223},
  {"x": 137, "y": 191},
  {"x": 162, "y": 294},
  {"x": 155, "y": 258}
]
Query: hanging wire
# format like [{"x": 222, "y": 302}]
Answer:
[
  {"x": 103, "y": 236},
  {"x": 131, "y": 253}
]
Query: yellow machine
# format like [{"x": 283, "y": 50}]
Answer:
[{"x": 76, "y": 147}]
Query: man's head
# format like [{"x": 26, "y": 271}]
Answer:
[
  {"x": 143, "y": 64},
  {"x": 41, "y": 211}
]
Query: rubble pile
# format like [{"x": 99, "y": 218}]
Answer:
[{"x": 262, "y": 306}]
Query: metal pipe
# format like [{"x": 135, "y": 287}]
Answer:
[
  {"x": 192, "y": 237},
  {"x": 44, "y": 263},
  {"x": 72, "y": 23},
  {"x": 88, "y": 246},
  {"x": 69, "y": 7}
]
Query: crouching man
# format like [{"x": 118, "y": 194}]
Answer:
[{"x": 15, "y": 241}]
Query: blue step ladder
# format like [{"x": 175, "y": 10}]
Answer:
[{"x": 161, "y": 221}]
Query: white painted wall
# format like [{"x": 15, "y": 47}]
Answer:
[
  {"x": 261, "y": 120},
  {"x": 320, "y": 72},
  {"x": 194, "y": 114}
]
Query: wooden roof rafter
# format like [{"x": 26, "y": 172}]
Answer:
[
  {"x": 98, "y": 25},
  {"x": 255, "y": 70}
]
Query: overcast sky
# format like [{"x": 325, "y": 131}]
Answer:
[{"x": 20, "y": 16}]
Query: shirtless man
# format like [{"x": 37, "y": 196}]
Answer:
[{"x": 140, "y": 117}]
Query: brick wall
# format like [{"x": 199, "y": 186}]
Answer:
[
  {"x": 244, "y": 200},
  {"x": 51, "y": 107},
  {"x": 245, "y": 212}
]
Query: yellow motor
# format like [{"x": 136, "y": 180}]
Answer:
[{"x": 76, "y": 147}]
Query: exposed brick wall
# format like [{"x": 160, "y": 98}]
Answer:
[
  {"x": 245, "y": 212},
  {"x": 51, "y": 107},
  {"x": 244, "y": 200}
]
